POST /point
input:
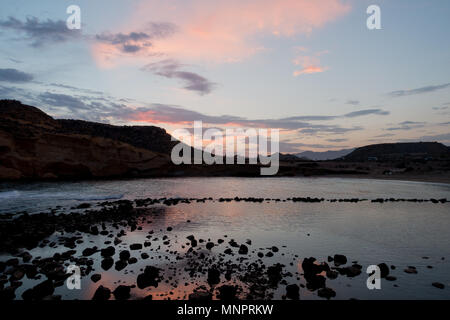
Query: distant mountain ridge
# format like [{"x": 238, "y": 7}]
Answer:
[
  {"x": 399, "y": 151},
  {"x": 325, "y": 155}
]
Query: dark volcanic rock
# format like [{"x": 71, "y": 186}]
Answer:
[
  {"x": 120, "y": 265},
  {"x": 227, "y": 293},
  {"x": 213, "y": 276},
  {"x": 102, "y": 294},
  {"x": 124, "y": 255},
  {"x": 339, "y": 259},
  {"x": 122, "y": 293},
  {"x": 243, "y": 249},
  {"x": 108, "y": 252},
  {"x": 293, "y": 292},
  {"x": 89, "y": 251},
  {"x": 136, "y": 246},
  {"x": 150, "y": 277},
  {"x": 107, "y": 263},
  {"x": 384, "y": 269},
  {"x": 96, "y": 277},
  {"x": 274, "y": 274}
]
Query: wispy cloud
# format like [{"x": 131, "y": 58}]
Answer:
[
  {"x": 15, "y": 76},
  {"x": 431, "y": 88},
  {"x": 172, "y": 69},
  {"x": 309, "y": 64},
  {"x": 136, "y": 41},
  {"x": 39, "y": 32},
  {"x": 228, "y": 30},
  {"x": 407, "y": 125}
]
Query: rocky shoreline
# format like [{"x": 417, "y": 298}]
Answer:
[{"x": 211, "y": 268}]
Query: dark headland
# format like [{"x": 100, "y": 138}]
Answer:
[{"x": 34, "y": 146}]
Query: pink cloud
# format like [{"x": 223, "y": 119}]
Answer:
[
  {"x": 310, "y": 64},
  {"x": 223, "y": 30},
  {"x": 309, "y": 70}
]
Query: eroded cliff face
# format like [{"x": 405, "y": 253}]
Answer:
[{"x": 35, "y": 146}]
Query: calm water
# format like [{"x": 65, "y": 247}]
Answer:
[{"x": 399, "y": 234}]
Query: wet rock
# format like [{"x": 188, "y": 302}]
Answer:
[
  {"x": 243, "y": 249},
  {"x": 96, "y": 277},
  {"x": 124, "y": 255},
  {"x": 209, "y": 245},
  {"x": 391, "y": 278},
  {"x": 384, "y": 269},
  {"x": 227, "y": 293},
  {"x": 293, "y": 292},
  {"x": 144, "y": 256},
  {"x": 275, "y": 249},
  {"x": 327, "y": 293},
  {"x": 89, "y": 251},
  {"x": 102, "y": 294},
  {"x": 339, "y": 259},
  {"x": 108, "y": 252},
  {"x": 411, "y": 270},
  {"x": 107, "y": 263},
  {"x": 233, "y": 243},
  {"x": 120, "y": 265},
  {"x": 438, "y": 285},
  {"x": 314, "y": 282},
  {"x": 122, "y": 292},
  {"x": 136, "y": 246},
  {"x": 132, "y": 260},
  {"x": 213, "y": 276},
  {"x": 150, "y": 277},
  {"x": 332, "y": 274},
  {"x": 274, "y": 274}
]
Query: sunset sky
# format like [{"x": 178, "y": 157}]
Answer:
[{"x": 309, "y": 68}]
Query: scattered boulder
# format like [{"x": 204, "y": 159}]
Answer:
[
  {"x": 293, "y": 292},
  {"x": 102, "y": 294},
  {"x": 108, "y": 252},
  {"x": 136, "y": 246},
  {"x": 384, "y": 269},
  {"x": 339, "y": 259},
  {"x": 243, "y": 249},
  {"x": 96, "y": 277},
  {"x": 150, "y": 277},
  {"x": 213, "y": 276},
  {"x": 107, "y": 263},
  {"x": 122, "y": 292},
  {"x": 124, "y": 255}
]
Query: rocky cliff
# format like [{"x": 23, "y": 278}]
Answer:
[{"x": 33, "y": 145}]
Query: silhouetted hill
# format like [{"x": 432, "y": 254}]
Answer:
[
  {"x": 399, "y": 151},
  {"x": 33, "y": 145},
  {"x": 146, "y": 137}
]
